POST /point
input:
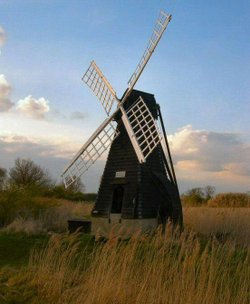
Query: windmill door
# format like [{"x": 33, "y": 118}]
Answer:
[{"x": 117, "y": 199}]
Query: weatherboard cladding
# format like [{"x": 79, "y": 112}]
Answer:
[{"x": 141, "y": 195}]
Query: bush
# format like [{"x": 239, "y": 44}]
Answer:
[
  {"x": 60, "y": 192},
  {"x": 8, "y": 206},
  {"x": 16, "y": 202},
  {"x": 89, "y": 197},
  {"x": 230, "y": 200},
  {"x": 3, "y": 178},
  {"x": 197, "y": 196}
]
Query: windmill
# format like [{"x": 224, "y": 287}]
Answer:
[{"x": 138, "y": 189}]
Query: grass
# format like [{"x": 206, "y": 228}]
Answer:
[
  {"x": 20, "y": 206},
  {"x": 15, "y": 248},
  {"x": 146, "y": 269},
  {"x": 49, "y": 219},
  {"x": 231, "y": 200},
  {"x": 210, "y": 265},
  {"x": 198, "y": 197},
  {"x": 227, "y": 222}
]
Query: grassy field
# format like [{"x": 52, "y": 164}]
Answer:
[
  {"x": 158, "y": 269},
  {"x": 230, "y": 223},
  {"x": 208, "y": 263},
  {"x": 15, "y": 248}
]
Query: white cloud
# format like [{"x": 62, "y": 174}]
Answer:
[
  {"x": 214, "y": 156},
  {"x": 32, "y": 107},
  {"x": 2, "y": 37},
  {"x": 52, "y": 147},
  {"x": 5, "y": 90}
]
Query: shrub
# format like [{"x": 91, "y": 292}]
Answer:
[
  {"x": 60, "y": 192},
  {"x": 197, "y": 196},
  {"x": 3, "y": 178},
  {"x": 89, "y": 197},
  {"x": 16, "y": 202},
  {"x": 230, "y": 200},
  {"x": 193, "y": 197},
  {"x": 8, "y": 206}
]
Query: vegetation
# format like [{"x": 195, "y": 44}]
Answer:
[
  {"x": 3, "y": 177},
  {"x": 26, "y": 173},
  {"x": 232, "y": 200},
  {"x": 147, "y": 269},
  {"x": 72, "y": 194},
  {"x": 222, "y": 223},
  {"x": 22, "y": 211},
  {"x": 198, "y": 196},
  {"x": 15, "y": 248},
  {"x": 39, "y": 265},
  {"x": 24, "y": 203},
  {"x": 31, "y": 202}
]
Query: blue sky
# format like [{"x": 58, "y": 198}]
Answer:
[{"x": 199, "y": 74}]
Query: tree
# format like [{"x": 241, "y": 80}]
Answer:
[
  {"x": 209, "y": 192},
  {"x": 3, "y": 177},
  {"x": 194, "y": 196},
  {"x": 27, "y": 173},
  {"x": 198, "y": 196}
]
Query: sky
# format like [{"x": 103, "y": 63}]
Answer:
[{"x": 199, "y": 74}]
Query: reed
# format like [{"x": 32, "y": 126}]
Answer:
[
  {"x": 146, "y": 269},
  {"x": 231, "y": 223}
]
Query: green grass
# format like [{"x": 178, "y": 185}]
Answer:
[
  {"x": 15, "y": 251},
  {"x": 15, "y": 248}
]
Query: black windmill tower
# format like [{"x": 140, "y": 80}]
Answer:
[{"x": 138, "y": 188}]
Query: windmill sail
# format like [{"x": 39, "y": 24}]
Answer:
[
  {"x": 142, "y": 129},
  {"x": 100, "y": 86},
  {"x": 97, "y": 144},
  {"x": 161, "y": 25}
]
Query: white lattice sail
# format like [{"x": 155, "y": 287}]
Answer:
[
  {"x": 161, "y": 25},
  {"x": 142, "y": 128},
  {"x": 98, "y": 143},
  {"x": 100, "y": 86}
]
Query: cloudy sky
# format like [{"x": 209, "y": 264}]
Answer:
[{"x": 199, "y": 74}]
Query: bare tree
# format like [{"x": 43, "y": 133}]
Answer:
[
  {"x": 209, "y": 192},
  {"x": 27, "y": 173}
]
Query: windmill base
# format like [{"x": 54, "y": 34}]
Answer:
[{"x": 115, "y": 226}]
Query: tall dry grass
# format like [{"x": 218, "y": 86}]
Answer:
[
  {"x": 231, "y": 200},
  {"x": 54, "y": 218},
  {"x": 233, "y": 223},
  {"x": 147, "y": 269}
]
